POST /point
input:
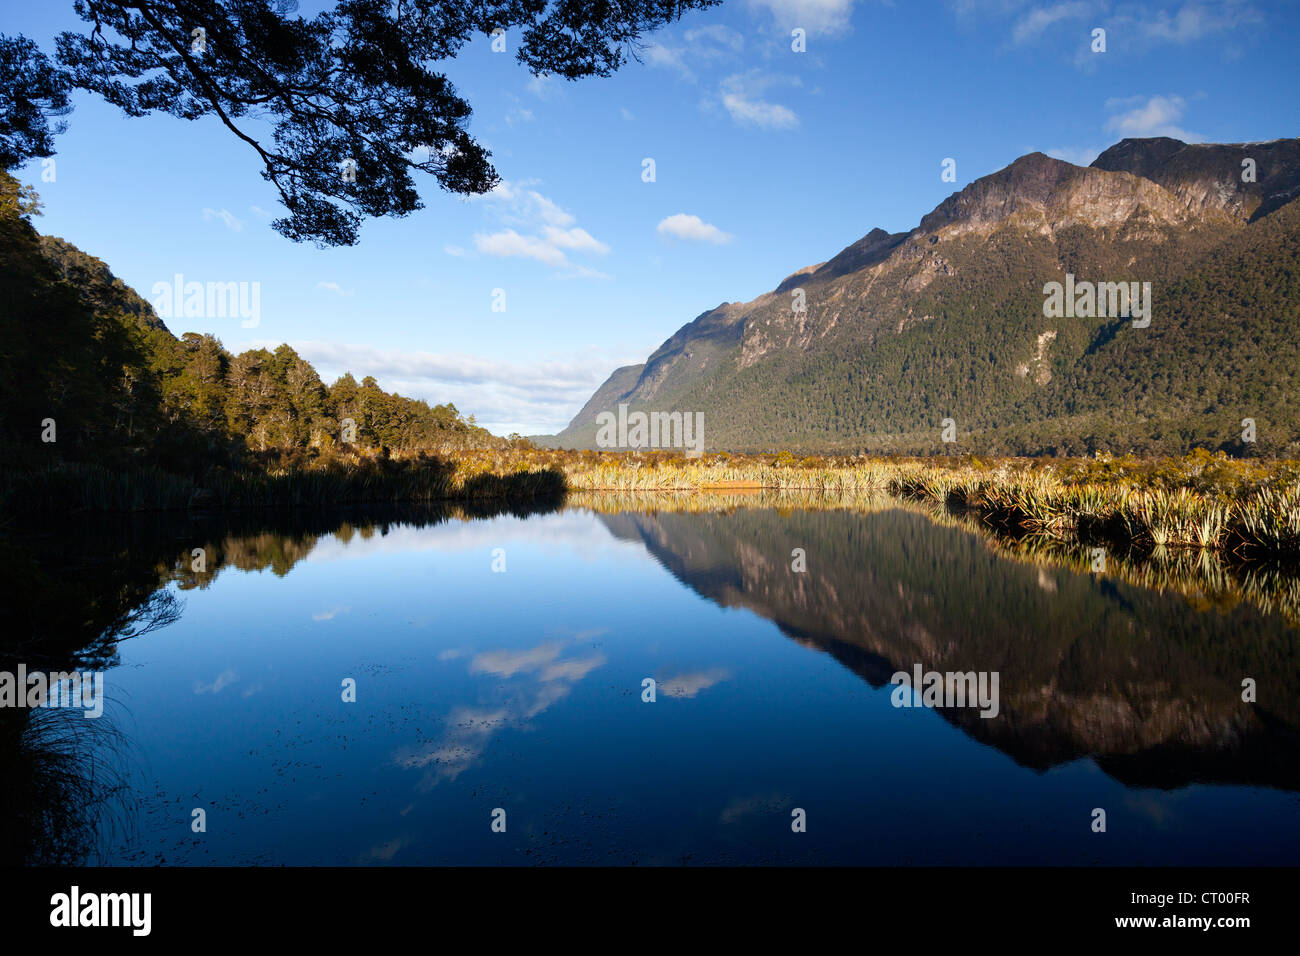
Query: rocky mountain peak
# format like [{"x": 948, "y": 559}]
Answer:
[
  {"x": 883, "y": 325},
  {"x": 1050, "y": 193},
  {"x": 1245, "y": 180},
  {"x": 1141, "y": 157}
]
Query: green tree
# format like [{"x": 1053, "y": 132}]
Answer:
[{"x": 64, "y": 355}]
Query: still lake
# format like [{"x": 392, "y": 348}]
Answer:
[{"x": 499, "y": 663}]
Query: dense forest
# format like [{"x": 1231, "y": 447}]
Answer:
[
  {"x": 88, "y": 373},
  {"x": 901, "y": 332}
]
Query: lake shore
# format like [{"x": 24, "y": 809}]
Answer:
[{"x": 1202, "y": 501}]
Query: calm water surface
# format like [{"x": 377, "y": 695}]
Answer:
[{"x": 521, "y": 689}]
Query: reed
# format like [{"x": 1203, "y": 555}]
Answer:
[
  {"x": 1210, "y": 578},
  {"x": 1201, "y": 501}
]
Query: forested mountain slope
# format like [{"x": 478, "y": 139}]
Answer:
[
  {"x": 899, "y": 332},
  {"x": 80, "y": 348}
]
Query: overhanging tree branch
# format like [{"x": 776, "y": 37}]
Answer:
[{"x": 356, "y": 82}]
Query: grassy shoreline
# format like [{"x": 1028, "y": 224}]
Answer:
[
  {"x": 1218, "y": 530},
  {"x": 1209, "y": 579},
  {"x": 1202, "y": 501}
]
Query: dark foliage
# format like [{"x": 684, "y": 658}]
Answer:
[{"x": 354, "y": 93}]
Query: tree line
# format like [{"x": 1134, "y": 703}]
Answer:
[{"x": 89, "y": 373}]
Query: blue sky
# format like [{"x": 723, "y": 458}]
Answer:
[{"x": 766, "y": 160}]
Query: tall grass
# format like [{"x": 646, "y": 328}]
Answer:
[
  {"x": 88, "y": 487},
  {"x": 1217, "y": 578},
  {"x": 1201, "y": 501}
]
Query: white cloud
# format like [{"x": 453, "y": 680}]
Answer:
[
  {"x": 508, "y": 663},
  {"x": 1192, "y": 21},
  {"x": 689, "y": 685},
  {"x": 224, "y": 680},
  {"x": 1157, "y": 116},
  {"x": 510, "y": 244},
  {"x": 627, "y": 114},
  {"x": 1079, "y": 155},
  {"x": 700, "y": 47},
  {"x": 1031, "y": 25},
  {"x": 668, "y": 58},
  {"x": 504, "y": 191},
  {"x": 533, "y": 398},
  {"x": 1131, "y": 26},
  {"x": 577, "y": 240},
  {"x": 545, "y": 232},
  {"x": 759, "y": 112},
  {"x": 514, "y": 202},
  {"x": 226, "y": 216},
  {"x": 815, "y": 16},
  {"x": 517, "y": 115},
  {"x": 543, "y": 87},
  {"x": 683, "y": 226},
  {"x": 574, "y": 669},
  {"x": 718, "y": 34},
  {"x": 333, "y": 287},
  {"x": 470, "y": 728},
  {"x": 742, "y": 97},
  {"x": 548, "y": 211},
  {"x": 572, "y": 531}
]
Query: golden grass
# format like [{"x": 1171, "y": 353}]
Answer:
[
  {"x": 1212, "y": 579},
  {"x": 1201, "y": 501}
]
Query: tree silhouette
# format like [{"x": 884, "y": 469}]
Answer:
[
  {"x": 356, "y": 101},
  {"x": 31, "y": 90}
]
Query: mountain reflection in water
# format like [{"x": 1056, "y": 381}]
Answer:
[{"x": 523, "y": 689}]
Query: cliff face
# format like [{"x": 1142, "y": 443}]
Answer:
[
  {"x": 1207, "y": 176},
  {"x": 1048, "y": 195},
  {"x": 870, "y": 349}
]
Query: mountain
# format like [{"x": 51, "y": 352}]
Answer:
[
  {"x": 99, "y": 287},
  {"x": 1194, "y": 172},
  {"x": 90, "y": 374},
  {"x": 1142, "y": 682},
  {"x": 901, "y": 331}
]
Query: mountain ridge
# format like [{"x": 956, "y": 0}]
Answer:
[{"x": 858, "y": 358}]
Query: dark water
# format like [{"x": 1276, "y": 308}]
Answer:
[{"x": 522, "y": 690}]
